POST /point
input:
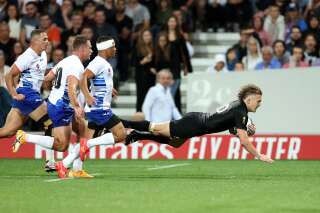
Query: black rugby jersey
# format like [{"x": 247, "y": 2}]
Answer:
[{"x": 231, "y": 116}]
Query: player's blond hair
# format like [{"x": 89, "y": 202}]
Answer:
[{"x": 249, "y": 89}]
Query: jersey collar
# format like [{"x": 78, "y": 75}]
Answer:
[{"x": 244, "y": 105}]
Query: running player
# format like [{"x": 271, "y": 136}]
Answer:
[
  {"x": 233, "y": 116},
  {"x": 63, "y": 103},
  {"x": 31, "y": 66},
  {"x": 98, "y": 112}
]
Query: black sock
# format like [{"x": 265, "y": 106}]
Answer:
[
  {"x": 149, "y": 136},
  {"x": 138, "y": 125}
]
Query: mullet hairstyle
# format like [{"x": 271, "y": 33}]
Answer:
[{"x": 247, "y": 90}]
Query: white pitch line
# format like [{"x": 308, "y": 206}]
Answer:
[
  {"x": 169, "y": 166},
  {"x": 57, "y": 179},
  {"x": 63, "y": 179}
]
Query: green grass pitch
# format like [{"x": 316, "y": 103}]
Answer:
[{"x": 163, "y": 186}]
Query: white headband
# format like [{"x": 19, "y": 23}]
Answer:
[{"x": 105, "y": 44}]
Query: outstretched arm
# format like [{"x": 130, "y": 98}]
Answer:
[{"x": 244, "y": 140}]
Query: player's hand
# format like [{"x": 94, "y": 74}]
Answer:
[
  {"x": 251, "y": 129},
  {"x": 114, "y": 93},
  {"x": 265, "y": 158},
  {"x": 79, "y": 112},
  {"x": 18, "y": 97},
  {"x": 90, "y": 100}
]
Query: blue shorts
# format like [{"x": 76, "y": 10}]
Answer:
[
  {"x": 99, "y": 117},
  {"x": 60, "y": 113},
  {"x": 32, "y": 100}
]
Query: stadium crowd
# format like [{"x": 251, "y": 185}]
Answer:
[{"x": 153, "y": 35}]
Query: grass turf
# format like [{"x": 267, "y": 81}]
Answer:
[{"x": 191, "y": 186}]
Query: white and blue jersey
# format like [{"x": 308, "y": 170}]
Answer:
[
  {"x": 59, "y": 108},
  {"x": 101, "y": 90},
  {"x": 32, "y": 67}
]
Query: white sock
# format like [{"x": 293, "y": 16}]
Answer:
[
  {"x": 50, "y": 155},
  {"x": 44, "y": 141},
  {"x": 77, "y": 165},
  {"x": 106, "y": 139},
  {"x": 73, "y": 154}
]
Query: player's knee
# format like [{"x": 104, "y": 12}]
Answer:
[
  {"x": 120, "y": 136},
  {"x": 60, "y": 145}
]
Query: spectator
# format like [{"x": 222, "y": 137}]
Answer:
[
  {"x": 295, "y": 38},
  {"x": 88, "y": 32},
  {"x": 6, "y": 43},
  {"x": 231, "y": 59},
  {"x": 152, "y": 7},
  {"x": 313, "y": 8},
  {"x": 282, "y": 4},
  {"x": 219, "y": 64},
  {"x": 239, "y": 67},
  {"x": 164, "y": 12},
  {"x": 200, "y": 14},
  {"x": 267, "y": 61},
  {"x": 311, "y": 49},
  {"x": 14, "y": 21},
  {"x": 162, "y": 53},
  {"x": 179, "y": 56},
  {"x": 49, "y": 51},
  {"x": 142, "y": 61},
  {"x": 241, "y": 46},
  {"x": 274, "y": 24},
  {"x": 89, "y": 9},
  {"x": 29, "y": 22},
  {"x": 75, "y": 29},
  {"x": 296, "y": 59},
  {"x": 294, "y": 19},
  {"x": 238, "y": 12},
  {"x": 216, "y": 14},
  {"x": 57, "y": 55},
  {"x": 102, "y": 27},
  {"x": 69, "y": 45},
  {"x": 54, "y": 11},
  {"x": 139, "y": 14},
  {"x": 17, "y": 50},
  {"x": 158, "y": 105},
  {"x": 123, "y": 25},
  {"x": 258, "y": 28},
  {"x": 3, "y": 8},
  {"x": 313, "y": 27},
  {"x": 280, "y": 53},
  {"x": 67, "y": 11},
  {"x": 110, "y": 9},
  {"x": 52, "y": 31},
  {"x": 185, "y": 28},
  {"x": 253, "y": 56},
  {"x": 4, "y": 69}
]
